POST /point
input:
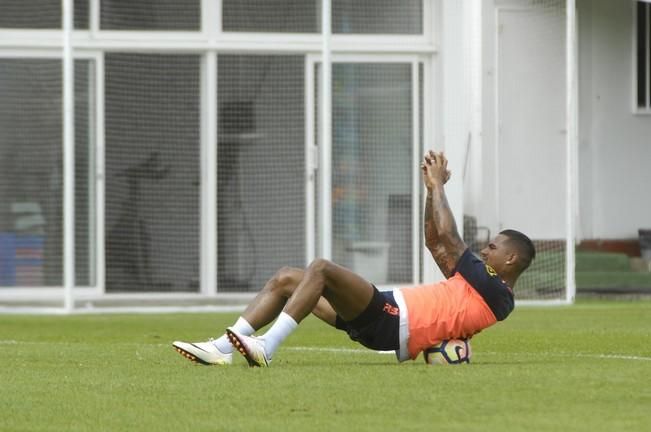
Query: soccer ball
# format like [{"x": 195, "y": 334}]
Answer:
[{"x": 453, "y": 351}]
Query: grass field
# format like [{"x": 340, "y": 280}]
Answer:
[{"x": 580, "y": 368}]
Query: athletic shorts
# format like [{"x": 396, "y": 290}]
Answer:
[{"x": 377, "y": 327}]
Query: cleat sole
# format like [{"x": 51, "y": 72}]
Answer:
[
  {"x": 241, "y": 349},
  {"x": 190, "y": 357}
]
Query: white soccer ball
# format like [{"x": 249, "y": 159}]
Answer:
[{"x": 453, "y": 351}]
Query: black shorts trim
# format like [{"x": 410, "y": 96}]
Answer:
[{"x": 377, "y": 327}]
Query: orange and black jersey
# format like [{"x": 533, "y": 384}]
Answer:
[
  {"x": 474, "y": 298},
  {"x": 495, "y": 292}
]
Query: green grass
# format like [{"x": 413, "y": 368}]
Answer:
[{"x": 580, "y": 368}]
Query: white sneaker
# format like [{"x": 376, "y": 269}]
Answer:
[
  {"x": 205, "y": 353},
  {"x": 251, "y": 347}
]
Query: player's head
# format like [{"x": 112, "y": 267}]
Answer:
[{"x": 510, "y": 253}]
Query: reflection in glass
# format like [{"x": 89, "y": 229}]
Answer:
[
  {"x": 152, "y": 172},
  {"x": 31, "y": 173},
  {"x": 260, "y": 169},
  {"x": 371, "y": 170}
]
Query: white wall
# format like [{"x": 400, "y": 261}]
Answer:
[
  {"x": 450, "y": 116},
  {"x": 454, "y": 92},
  {"x": 522, "y": 126},
  {"x": 615, "y": 143}
]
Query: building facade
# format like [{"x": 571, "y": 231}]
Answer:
[{"x": 216, "y": 141}]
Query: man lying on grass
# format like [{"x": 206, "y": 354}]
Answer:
[{"x": 476, "y": 294}]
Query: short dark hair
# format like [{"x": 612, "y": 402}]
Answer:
[{"x": 524, "y": 245}]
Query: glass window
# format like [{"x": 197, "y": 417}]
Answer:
[
  {"x": 152, "y": 172},
  {"x": 372, "y": 170},
  {"x": 85, "y": 204},
  {"x": 39, "y": 14},
  {"x": 273, "y": 16},
  {"x": 260, "y": 168},
  {"x": 301, "y": 16},
  {"x": 151, "y": 15},
  {"x": 31, "y": 173},
  {"x": 377, "y": 16}
]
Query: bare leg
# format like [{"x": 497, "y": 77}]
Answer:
[
  {"x": 324, "y": 288},
  {"x": 264, "y": 308},
  {"x": 325, "y": 312},
  {"x": 348, "y": 293},
  {"x": 270, "y": 301}
]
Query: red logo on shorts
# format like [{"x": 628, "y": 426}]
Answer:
[{"x": 390, "y": 309}]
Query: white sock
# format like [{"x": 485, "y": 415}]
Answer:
[
  {"x": 241, "y": 326},
  {"x": 280, "y": 329}
]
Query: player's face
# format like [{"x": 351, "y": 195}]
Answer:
[{"x": 497, "y": 253}]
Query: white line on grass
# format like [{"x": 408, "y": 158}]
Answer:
[
  {"x": 548, "y": 354},
  {"x": 614, "y": 356},
  {"x": 336, "y": 350},
  {"x": 571, "y": 354}
]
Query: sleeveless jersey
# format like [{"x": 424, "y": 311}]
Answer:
[{"x": 474, "y": 298}]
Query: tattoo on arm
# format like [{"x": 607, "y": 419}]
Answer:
[
  {"x": 431, "y": 236},
  {"x": 441, "y": 235}
]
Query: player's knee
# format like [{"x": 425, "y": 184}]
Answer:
[
  {"x": 320, "y": 266},
  {"x": 286, "y": 279}
]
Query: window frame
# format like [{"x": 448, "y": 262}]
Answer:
[{"x": 637, "y": 108}]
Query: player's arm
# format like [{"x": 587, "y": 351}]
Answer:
[
  {"x": 441, "y": 235},
  {"x": 431, "y": 235}
]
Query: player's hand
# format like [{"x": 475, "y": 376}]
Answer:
[{"x": 435, "y": 169}]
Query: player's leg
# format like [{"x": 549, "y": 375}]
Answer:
[
  {"x": 347, "y": 293},
  {"x": 271, "y": 300},
  {"x": 325, "y": 312},
  {"x": 261, "y": 311}
]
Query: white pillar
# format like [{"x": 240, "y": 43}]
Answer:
[
  {"x": 571, "y": 148},
  {"x": 209, "y": 175},
  {"x": 452, "y": 78},
  {"x": 325, "y": 146},
  {"x": 68, "y": 158}
]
